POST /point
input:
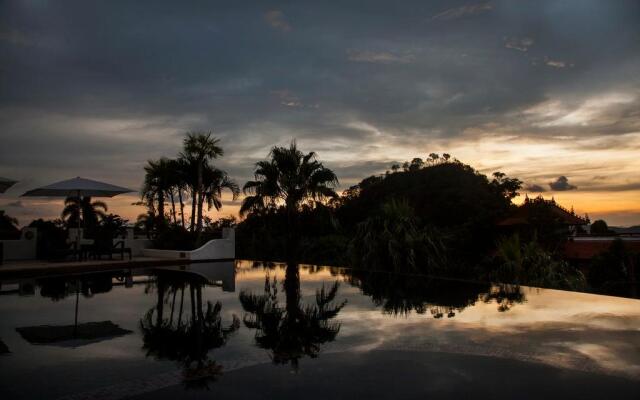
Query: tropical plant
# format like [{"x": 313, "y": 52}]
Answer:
[
  {"x": 199, "y": 148},
  {"x": 179, "y": 181},
  {"x": 149, "y": 223},
  {"x": 393, "y": 239},
  {"x": 529, "y": 264},
  {"x": 289, "y": 179},
  {"x": 113, "y": 225},
  {"x": 83, "y": 209},
  {"x": 215, "y": 181},
  {"x": 158, "y": 180}
]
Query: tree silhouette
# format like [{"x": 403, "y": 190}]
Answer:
[
  {"x": 84, "y": 209},
  {"x": 157, "y": 184},
  {"x": 215, "y": 181},
  {"x": 288, "y": 179},
  {"x": 8, "y": 227},
  {"x": 199, "y": 148}
]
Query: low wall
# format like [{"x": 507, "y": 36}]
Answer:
[
  {"x": 23, "y": 248},
  {"x": 217, "y": 249}
]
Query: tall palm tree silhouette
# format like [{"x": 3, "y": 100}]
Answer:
[
  {"x": 295, "y": 330},
  {"x": 288, "y": 179},
  {"x": 199, "y": 148},
  {"x": 157, "y": 184}
]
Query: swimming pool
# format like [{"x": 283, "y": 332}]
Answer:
[{"x": 252, "y": 330}]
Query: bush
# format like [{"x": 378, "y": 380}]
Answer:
[
  {"x": 529, "y": 264},
  {"x": 394, "y": 240},
  {"x": 175, "y": 237},
  {"x": 614, "y": 267},
  {"x": 52, "y": 237}
]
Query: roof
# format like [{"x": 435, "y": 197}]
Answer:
[
  {"x": 523, "y": 214},
  {"x": 587, "y": 249}
]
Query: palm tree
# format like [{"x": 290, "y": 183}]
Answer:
[
  {"x": 215, "y": 181},
  {"x": 288, "y": 179},
  {"x": 157, "y": 184},
  {"x": 200, "y": 148},
  {"x": 85, "y": 210},
  {"x": 188, "y": 175},
  {"x": 295, "y": 330},
  {"x": 179, "y": 184}
]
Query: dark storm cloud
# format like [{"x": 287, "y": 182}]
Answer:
[
  {"x": 534, "y": 188},
  {"x": 100, "y": 87},
  {"x": 463, "y": 11},
  {"x": 561, "y": 184}
]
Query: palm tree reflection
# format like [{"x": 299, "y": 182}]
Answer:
[
  {"x": 189, "y": 342},
  {"x": 295, "y": 330}
]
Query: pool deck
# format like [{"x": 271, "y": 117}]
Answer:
[{"x": 33, "y": 268}]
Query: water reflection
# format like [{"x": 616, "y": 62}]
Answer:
[
  {"x": 400, "y": 294},
  {"x": 296, "y": 330},
  {"x": 188, "y": 333},
  {"x": 59, "y": 288},
  {"x": 505, "y": 295}
]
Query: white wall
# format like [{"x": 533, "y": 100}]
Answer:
[
  {"x": 217, "y": 249},
  {"x": 22, "y": 249}
]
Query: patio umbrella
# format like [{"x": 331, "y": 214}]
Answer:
[
  {"x": 78, "y": 187},
  {"x": 5, "y": 184}
]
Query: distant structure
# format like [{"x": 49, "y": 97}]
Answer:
[
  {"x": 539, "y": 211},
  {"x": 578, "y": 245}
]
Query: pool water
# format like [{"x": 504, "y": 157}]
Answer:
[{"x": 252, "y": 330}]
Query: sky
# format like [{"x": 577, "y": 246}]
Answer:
[{"x": 545, "y": 91}]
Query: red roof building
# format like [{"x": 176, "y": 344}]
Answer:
[{"x": 525, "y": 214}]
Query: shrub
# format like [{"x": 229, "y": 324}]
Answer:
[{"x": 529, "y": 264}]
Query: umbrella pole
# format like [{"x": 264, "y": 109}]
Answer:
[
  {"x": 79, "y": 227},
  {"x": 75, "y": 323}
]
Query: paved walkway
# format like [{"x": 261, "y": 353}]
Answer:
[{"x": 32, "y": 268}]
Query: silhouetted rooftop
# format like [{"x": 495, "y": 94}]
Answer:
[{"x": 524, "y": 213}]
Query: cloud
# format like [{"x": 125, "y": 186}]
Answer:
[
  {"x": 277, "y": 20},
  {"x": 16, "y": 37},
  {"x": 16, "y": 204},
  {"x": 622, "y": 187},
  {"x": 354, "y": 82},
  {"x": 288, "y": 99},
  {"x": 554, "y": 63},
  {"x": 520, "y": 44},
  {"x": 378, "y": 57},
  {"x": 561, "y": 184},
  {"x": 534, "y": 188},
  {"x": 463, "y": 11}
]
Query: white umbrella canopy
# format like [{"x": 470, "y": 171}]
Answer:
[
  {"x": 6, "y": 184},
  {"x": 77, "y": 187}
]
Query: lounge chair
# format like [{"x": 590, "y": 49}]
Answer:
[{"x": 103, "y": 245}]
